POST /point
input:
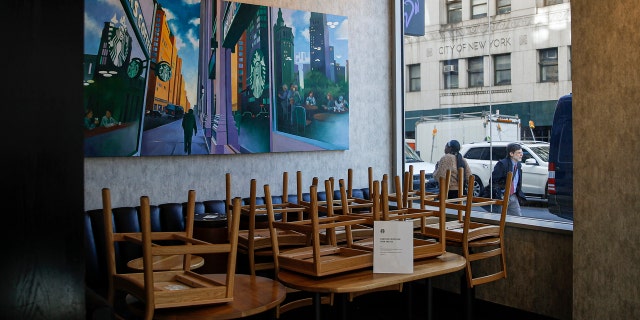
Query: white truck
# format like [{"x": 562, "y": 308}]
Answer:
[{"x": 433, "y": 132}]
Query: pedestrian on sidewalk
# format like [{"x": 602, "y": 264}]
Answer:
[{"x": 190, "y": 129}]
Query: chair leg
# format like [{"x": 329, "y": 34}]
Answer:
[
  {"x": 252, "y": 263},
  {"x": 468, "y": 294}
]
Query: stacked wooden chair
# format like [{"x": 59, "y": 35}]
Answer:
[
  {"x": 318, "y": 259},
  {"x": 422, "y": 248},
  {"x": 479, "y": 241},
  {"x": 255, "y": 240},
  {"x": 174, "y": 288}
]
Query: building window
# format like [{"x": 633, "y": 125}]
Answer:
[
  {"x": 503, "y": 6},
  {"x": 450, "y": 71},
  {"x": 552, "y": 2},
  {"x": 502, "y": 65},
  {"x": 478, "y": 9},
  {"x": 414, "y": 77},
  {"x": 454, "y": 11},
  {"x": 476, "y": 72},
  {"x": 549, "y": 65}
]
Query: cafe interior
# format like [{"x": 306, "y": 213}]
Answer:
[{"x": 588, "y": 272}]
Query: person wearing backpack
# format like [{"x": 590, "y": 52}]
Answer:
[{"x": 452, "y": 160}]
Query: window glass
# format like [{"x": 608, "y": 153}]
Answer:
[
  {"x": 475, "y": 153},
  {"x": 504, "y": 6},
  {"x": 414, "y": 77},
  {"x": 476, "y": 72},
  {"x": 454, "y": 11},
  {"x": 450, "y": 71},
  {"x": 549, "y": 65},
  {"x": 478, "y": 9},
  {"x": 552, "y": 2},
  {"x": 499, "y": 153},
  {"x": 502, "y": 65},
  {"x": 521, "y": 79},
  {"x": 542, "y": 152}
]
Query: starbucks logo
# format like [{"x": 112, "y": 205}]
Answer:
[
  {"x": 119, "y": 46},
  {"x": 258, "y": 74}
]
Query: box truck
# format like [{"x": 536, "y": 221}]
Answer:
[{"x": 433, "y": 132}]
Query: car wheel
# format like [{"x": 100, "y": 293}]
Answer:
[{"x": 477, "y": 186}]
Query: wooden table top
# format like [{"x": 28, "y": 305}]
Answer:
[
  {"x": 364, "y": 280},
  {"x": 161, "y": 263},
  {"x": 251, "y": 295}
]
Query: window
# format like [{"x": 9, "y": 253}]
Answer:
[
  {"x": 478, "y": 9},
  {"x": 552, "y": 2},
  {"x": 549, "y": 65},
  {"x": 488, "y": 66},
  {"x": 454, "y": 11},
  {"x": 502, "y": 64},
  {"x": 504, "y": 6},
  {"x": 450, "y": 71},
  {"x": 414, "y": 77},
  {"x": 476, "y": 72}
]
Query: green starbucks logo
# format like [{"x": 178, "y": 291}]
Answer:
[
  {"x": 163, "y": 70},
  {"x": 135, "y": 68},
  {"x": 258, "y": 74}
]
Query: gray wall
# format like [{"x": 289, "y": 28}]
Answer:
[{"x": 167, "y": 179}]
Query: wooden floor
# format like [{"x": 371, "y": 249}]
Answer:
[{"x": 392, "y": 305}]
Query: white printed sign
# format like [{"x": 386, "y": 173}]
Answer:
[{"x": 393, "y": 247}]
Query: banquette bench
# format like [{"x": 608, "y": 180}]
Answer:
[{"x": 164, "y": 217}]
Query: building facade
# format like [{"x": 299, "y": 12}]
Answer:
[{"x": 489, "y": 55}]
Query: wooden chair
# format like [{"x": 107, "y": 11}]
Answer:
[
  {"x": 318, "y": 259},
  {"x": 479, "y": 241},
  {"x": 255, "y": 241},
  {"x": 167, "y": 289},
  {"x": 422, "y": 248}
]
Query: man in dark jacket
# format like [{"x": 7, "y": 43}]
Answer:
[
  {"x": 190, "y": 129},
  {"x": 499, "y": 175}
]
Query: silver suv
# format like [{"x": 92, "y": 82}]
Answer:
[{"x": 535, "y": 168}]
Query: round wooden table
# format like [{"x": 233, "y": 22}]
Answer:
[{"x": 251, "y": 295}]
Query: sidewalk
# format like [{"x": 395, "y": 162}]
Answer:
[{"x": 168, "y": 140}]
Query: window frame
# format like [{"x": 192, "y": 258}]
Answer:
[
  {"x": 477, "y": 6},
  {"x": 414, "y": 78},
  {"x": 503, "y": 6},
  {"x": 454, "y": 11},
  {"x": 499, "y": 70},
  {"x": 473, "y": 72},
  {"x": 548, "y": 65},
  {"x": 451, "y": 78}
]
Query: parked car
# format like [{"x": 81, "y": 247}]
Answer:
[
  {"x": 412, "y": 158},
  {"x": 482, "y": 157},
  {"x": 153, "y": 114},
  {"x": 174, "y": 111},
  {"x": 561, "y": 160}
]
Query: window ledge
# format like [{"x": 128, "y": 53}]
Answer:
[{"x": 523, "y": 222}]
